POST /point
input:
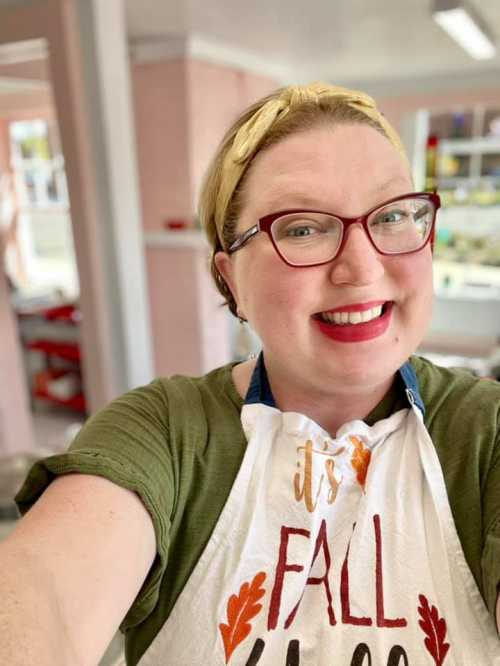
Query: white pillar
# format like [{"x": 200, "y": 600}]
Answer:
[{"x": 107, "y": 96}]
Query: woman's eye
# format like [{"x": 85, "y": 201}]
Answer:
[
  {"x": 300, "y": 232},
  {"x": 391, "y": 217}
]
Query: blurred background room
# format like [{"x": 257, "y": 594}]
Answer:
[{"x": 109, "y": 113}]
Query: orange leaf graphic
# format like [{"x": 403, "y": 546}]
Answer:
[
  {"x": 241, "y": 609},
  {"x": 360, "y": 460}
]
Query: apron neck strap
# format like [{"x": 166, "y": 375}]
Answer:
[
  {"x": 409, "y": 377},
  {"x": 259, "y": 390}
]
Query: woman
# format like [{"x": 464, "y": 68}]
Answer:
[{"x": 336, "y": 501}]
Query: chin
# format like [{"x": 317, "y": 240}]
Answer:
[
  {"x": 363, "y": 375},
  {"x": 362, "y": 365}
]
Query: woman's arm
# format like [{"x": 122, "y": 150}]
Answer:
[{"x": 70, "y": 571}]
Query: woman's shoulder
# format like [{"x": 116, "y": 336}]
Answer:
[
  {"x": 462, "y": 412},
  {"x": 174, "y": 395},
  {"x": 218, "y": 382},
  {"x": 441, "y": 386}
]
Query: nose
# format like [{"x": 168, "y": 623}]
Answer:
[{"x": 358, "y": 262}]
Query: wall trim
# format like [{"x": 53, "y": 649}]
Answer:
[
  {"x": 25, "y": 51},
  {"x": 156, "y": 48},
  {"x": 171, "y": 46},
  {"x": 482, "y": 79}
]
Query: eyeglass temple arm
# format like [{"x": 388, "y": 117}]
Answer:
[{"x": 239, "y": 242}]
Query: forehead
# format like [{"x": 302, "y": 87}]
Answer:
[{"x": 343, "y": 167}]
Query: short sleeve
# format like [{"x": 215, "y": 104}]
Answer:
[
  {"x": 490, "y": 560},
  {"x": 127, "y": 443}
]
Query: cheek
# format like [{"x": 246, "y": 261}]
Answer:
[
  {"x": 266, "y": 286},
  {"x": 413, "y": 275}
]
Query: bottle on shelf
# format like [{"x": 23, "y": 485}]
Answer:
[
  {"x": 458, "y": 126},
  {"x": 431, "y": 162}
]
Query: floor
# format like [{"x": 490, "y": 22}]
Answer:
[{"x": 54, "y": 431}]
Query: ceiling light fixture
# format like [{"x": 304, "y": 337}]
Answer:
[{"x": 466, "y": 27}]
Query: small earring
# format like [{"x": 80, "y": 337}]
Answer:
[{"x": 241, "y": 318}]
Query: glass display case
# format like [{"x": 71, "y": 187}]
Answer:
[
  {"x": 462, "y": 162},
  {"x": 458, "y": 154}
]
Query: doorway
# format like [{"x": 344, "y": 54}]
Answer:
[{"x": 38, "y": 261}]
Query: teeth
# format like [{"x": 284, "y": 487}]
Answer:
[{"x": 352, "y": 317}]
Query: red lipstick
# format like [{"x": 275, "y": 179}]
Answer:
[
  {"x": 357, "y": 332},
  {"x": 357, "y": 307}
]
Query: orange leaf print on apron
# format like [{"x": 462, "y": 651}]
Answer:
[
  {"x": 240, "y": 610},
  {"x": 360, "y": 460}
]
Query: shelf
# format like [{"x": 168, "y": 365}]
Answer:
[
  {"x": 77, "y": 402},
  {"x": 477, "y": 146},
  {"x": 466, "y": 181},
  {"x": 191, "y": 238},
  {"x": 65, "y": 350}
]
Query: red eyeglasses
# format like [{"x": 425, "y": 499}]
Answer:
[{"x": 401, "y": 225}]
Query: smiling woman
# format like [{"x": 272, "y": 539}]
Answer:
[
  {"x": 336, "y": 500},
  {"x": 352, "y": 264}
]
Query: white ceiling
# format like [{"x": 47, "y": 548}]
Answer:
[
  {"x": 339, "y": 40},
  {"x": 383, "y": 46}
]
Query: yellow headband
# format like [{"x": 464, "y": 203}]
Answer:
[{"x": 251, "y": 134}]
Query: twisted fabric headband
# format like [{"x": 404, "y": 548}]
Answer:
[{"x": 250, "y": 135}]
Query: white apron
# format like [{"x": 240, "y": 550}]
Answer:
[{"x": 331, "y": 552}]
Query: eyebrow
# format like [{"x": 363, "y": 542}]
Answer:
[
  {"x": 299, "y": 200},
  {"x": 303, "y": 200},
  {"x": 391, "y": 181}
]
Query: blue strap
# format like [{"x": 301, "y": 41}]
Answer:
[
  {"x": 409, "y": 377},
  {"x": 259, "y": 391}
]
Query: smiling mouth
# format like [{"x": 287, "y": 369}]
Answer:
[{"x": 353, "y": 318}]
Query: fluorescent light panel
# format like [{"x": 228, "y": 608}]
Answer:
[{"x": 458, "y": 23}]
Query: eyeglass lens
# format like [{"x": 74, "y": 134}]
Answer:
[{"x": 310, "y": 238}]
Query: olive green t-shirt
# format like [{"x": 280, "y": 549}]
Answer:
[{"x": 178, "y": 443}]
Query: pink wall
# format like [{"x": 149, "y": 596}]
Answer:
[
  {"x": 4, "y": 145},
  {"x": 34, "y": 69},
  {"x": 395, "y": 108},
  {"x": 162, "y": 127},
  {"x": 216, "y": 96},
  {"x": 16, "y": 433},
  {"x": 31, "y": 103},
  {"x": 175, "y": 312},
  {"x": 27, "y": 105},
  {"x": 182, "y": 109}
]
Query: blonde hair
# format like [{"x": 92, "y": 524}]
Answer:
[{"x": 270, "y": 120}]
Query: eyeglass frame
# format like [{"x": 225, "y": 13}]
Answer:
[{"x": 264, "y": 224}]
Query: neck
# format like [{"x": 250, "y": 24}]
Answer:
[{"x": 329, "y": 409}]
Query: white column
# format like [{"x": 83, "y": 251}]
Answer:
[
  {"x": 413, "y": 130},
  {"x": 107, "y": 97}
]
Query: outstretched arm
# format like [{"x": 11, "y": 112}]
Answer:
[{"x": 70, "y": 571}]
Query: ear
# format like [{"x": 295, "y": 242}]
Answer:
[{"x": 225, "y": 266}]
